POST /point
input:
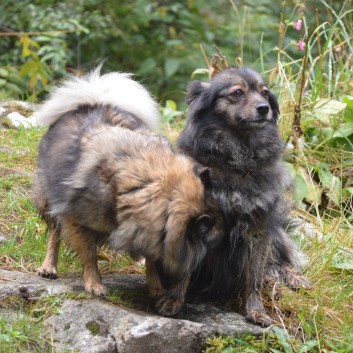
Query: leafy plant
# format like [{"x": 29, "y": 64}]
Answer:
[{"x": 11, "y": 82}]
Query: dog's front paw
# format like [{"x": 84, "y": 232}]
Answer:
[
  {"x": 168, "y": 306},
  {"x": 259, "y": 317},
  {"x": 47, "y": 272},
  {"x": 156, "y": 292},
  {"x": 97, "y": 289}
]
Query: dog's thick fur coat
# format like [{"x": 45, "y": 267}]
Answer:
[
  {"x": 103, "y": 176},
  {"x": 231, "y": 129}
]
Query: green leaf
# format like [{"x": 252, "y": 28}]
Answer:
[
  {"x": 169, "y": 112},
  {"x": 25, "y": 42},
  {"x": 13, "y": 88},
  {"x": 348, "y": 114},
  {"x": 300, "y": 188},
  {"x": 147, "y": 66},
  {"x": 335, "y": 191},
  {"x": 2, "y": 82},
  {"x": 170, "y": 104},
  {"x": 33, "y": 80},
  {"x": 349, "y": 101},
  {"x": 228, "y": 350},
  {"x": 350, "y": 190},
  {"x": 326, "y": 107},
  {"x": 44, "y": 38},
  {"x": 283, "y": 337},
  {"x": 79, "y": 26},
  {"x": 281, "y": 334},
  {"x": 308, "y": 346},
  {"x": 312, "y": 191},
  {"x": 332, "y": 183},
  {"x": 174, "y": 42},
  {"x": 200, "y": 72},
  {"x": 343, "y": 266},
  {"x": 27, "y": 68},
  {"x": 15, "y": 78},
  {"x": 325, "y": 176},
  {"x": 171, "y": 66},
  {"x": 345, "y": 130},
  {"x": 3, "y": 72}
]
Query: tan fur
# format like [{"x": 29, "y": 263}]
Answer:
[{"x": 127, "y": 184}]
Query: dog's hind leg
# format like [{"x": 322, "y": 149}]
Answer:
[
  {"x": 50, "y": 263},
  {"x": 284, "y": 263},
  {"x": 294, "y": 280},
  {"x": 84, "y": 243}
]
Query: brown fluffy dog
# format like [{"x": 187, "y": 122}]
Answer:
[{"x": 104, "y": 176}]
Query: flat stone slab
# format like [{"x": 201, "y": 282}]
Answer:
[
  {"x": 12, "y": 281},
  {"x": 98, "y": 326}
]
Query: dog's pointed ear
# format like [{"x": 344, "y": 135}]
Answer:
[
  {"x": 272, "y": 99},
  {"x": 195, "y": 90},
  {"x": 204, "y": 174},
  {"x": 203, "y": 225},
  {"x": 205, "y": 230}
]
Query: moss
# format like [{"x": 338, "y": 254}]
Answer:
[
  {"x": 94, "y": 328},
  {"x": 13, "y": 302}
]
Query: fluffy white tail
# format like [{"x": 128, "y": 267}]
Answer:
[{"x": 115, "y": 88}]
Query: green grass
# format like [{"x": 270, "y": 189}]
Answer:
[
  {"x": 319, "y": 320},
  {"x": 21, "y": 323},
  {"x": 322, "y": 317}
]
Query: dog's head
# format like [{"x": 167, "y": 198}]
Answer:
[
  {"x": 194, "y": 226},
  {"x": 237, "y": 97}
]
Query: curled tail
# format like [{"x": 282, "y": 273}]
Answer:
[{"x": 115, "y": 89}]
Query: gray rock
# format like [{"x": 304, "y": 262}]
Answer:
[
  {"x": 11, "y": 105},
  {"x": 11, "y": 117},
  {"x": 13, "y": 281},
  {"x": 3, "y": 237},
  {"x": 97, "y": 326},
  {"x": 2, "y": 111}
]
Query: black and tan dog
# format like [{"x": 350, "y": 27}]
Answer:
[
  {"x": 232, "y": 129},
  {"x": 104, "y": 176}
]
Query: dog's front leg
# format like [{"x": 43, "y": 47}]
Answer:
[
  {"x": 155, "y": 286},
  {"x": 258, "y": 249},
  {"x": 171, "y": 303}
]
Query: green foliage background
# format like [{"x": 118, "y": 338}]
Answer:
[
  {"x": 164, "y": 42},
  {"x": 158, "y": 40}
]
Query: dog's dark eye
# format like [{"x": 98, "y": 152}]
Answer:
[
  {"x": 265, "y": 93},
  {"x": 238, "y": 93}
]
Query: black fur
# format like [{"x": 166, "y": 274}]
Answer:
[{"x": 232, "y": 130}]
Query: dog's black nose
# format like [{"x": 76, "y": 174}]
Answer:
[{"x": 263, "y": 109}]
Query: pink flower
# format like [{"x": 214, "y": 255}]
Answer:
[
  {"x": 298, "y": 25},
  {"x": 301, "y": 44}
]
